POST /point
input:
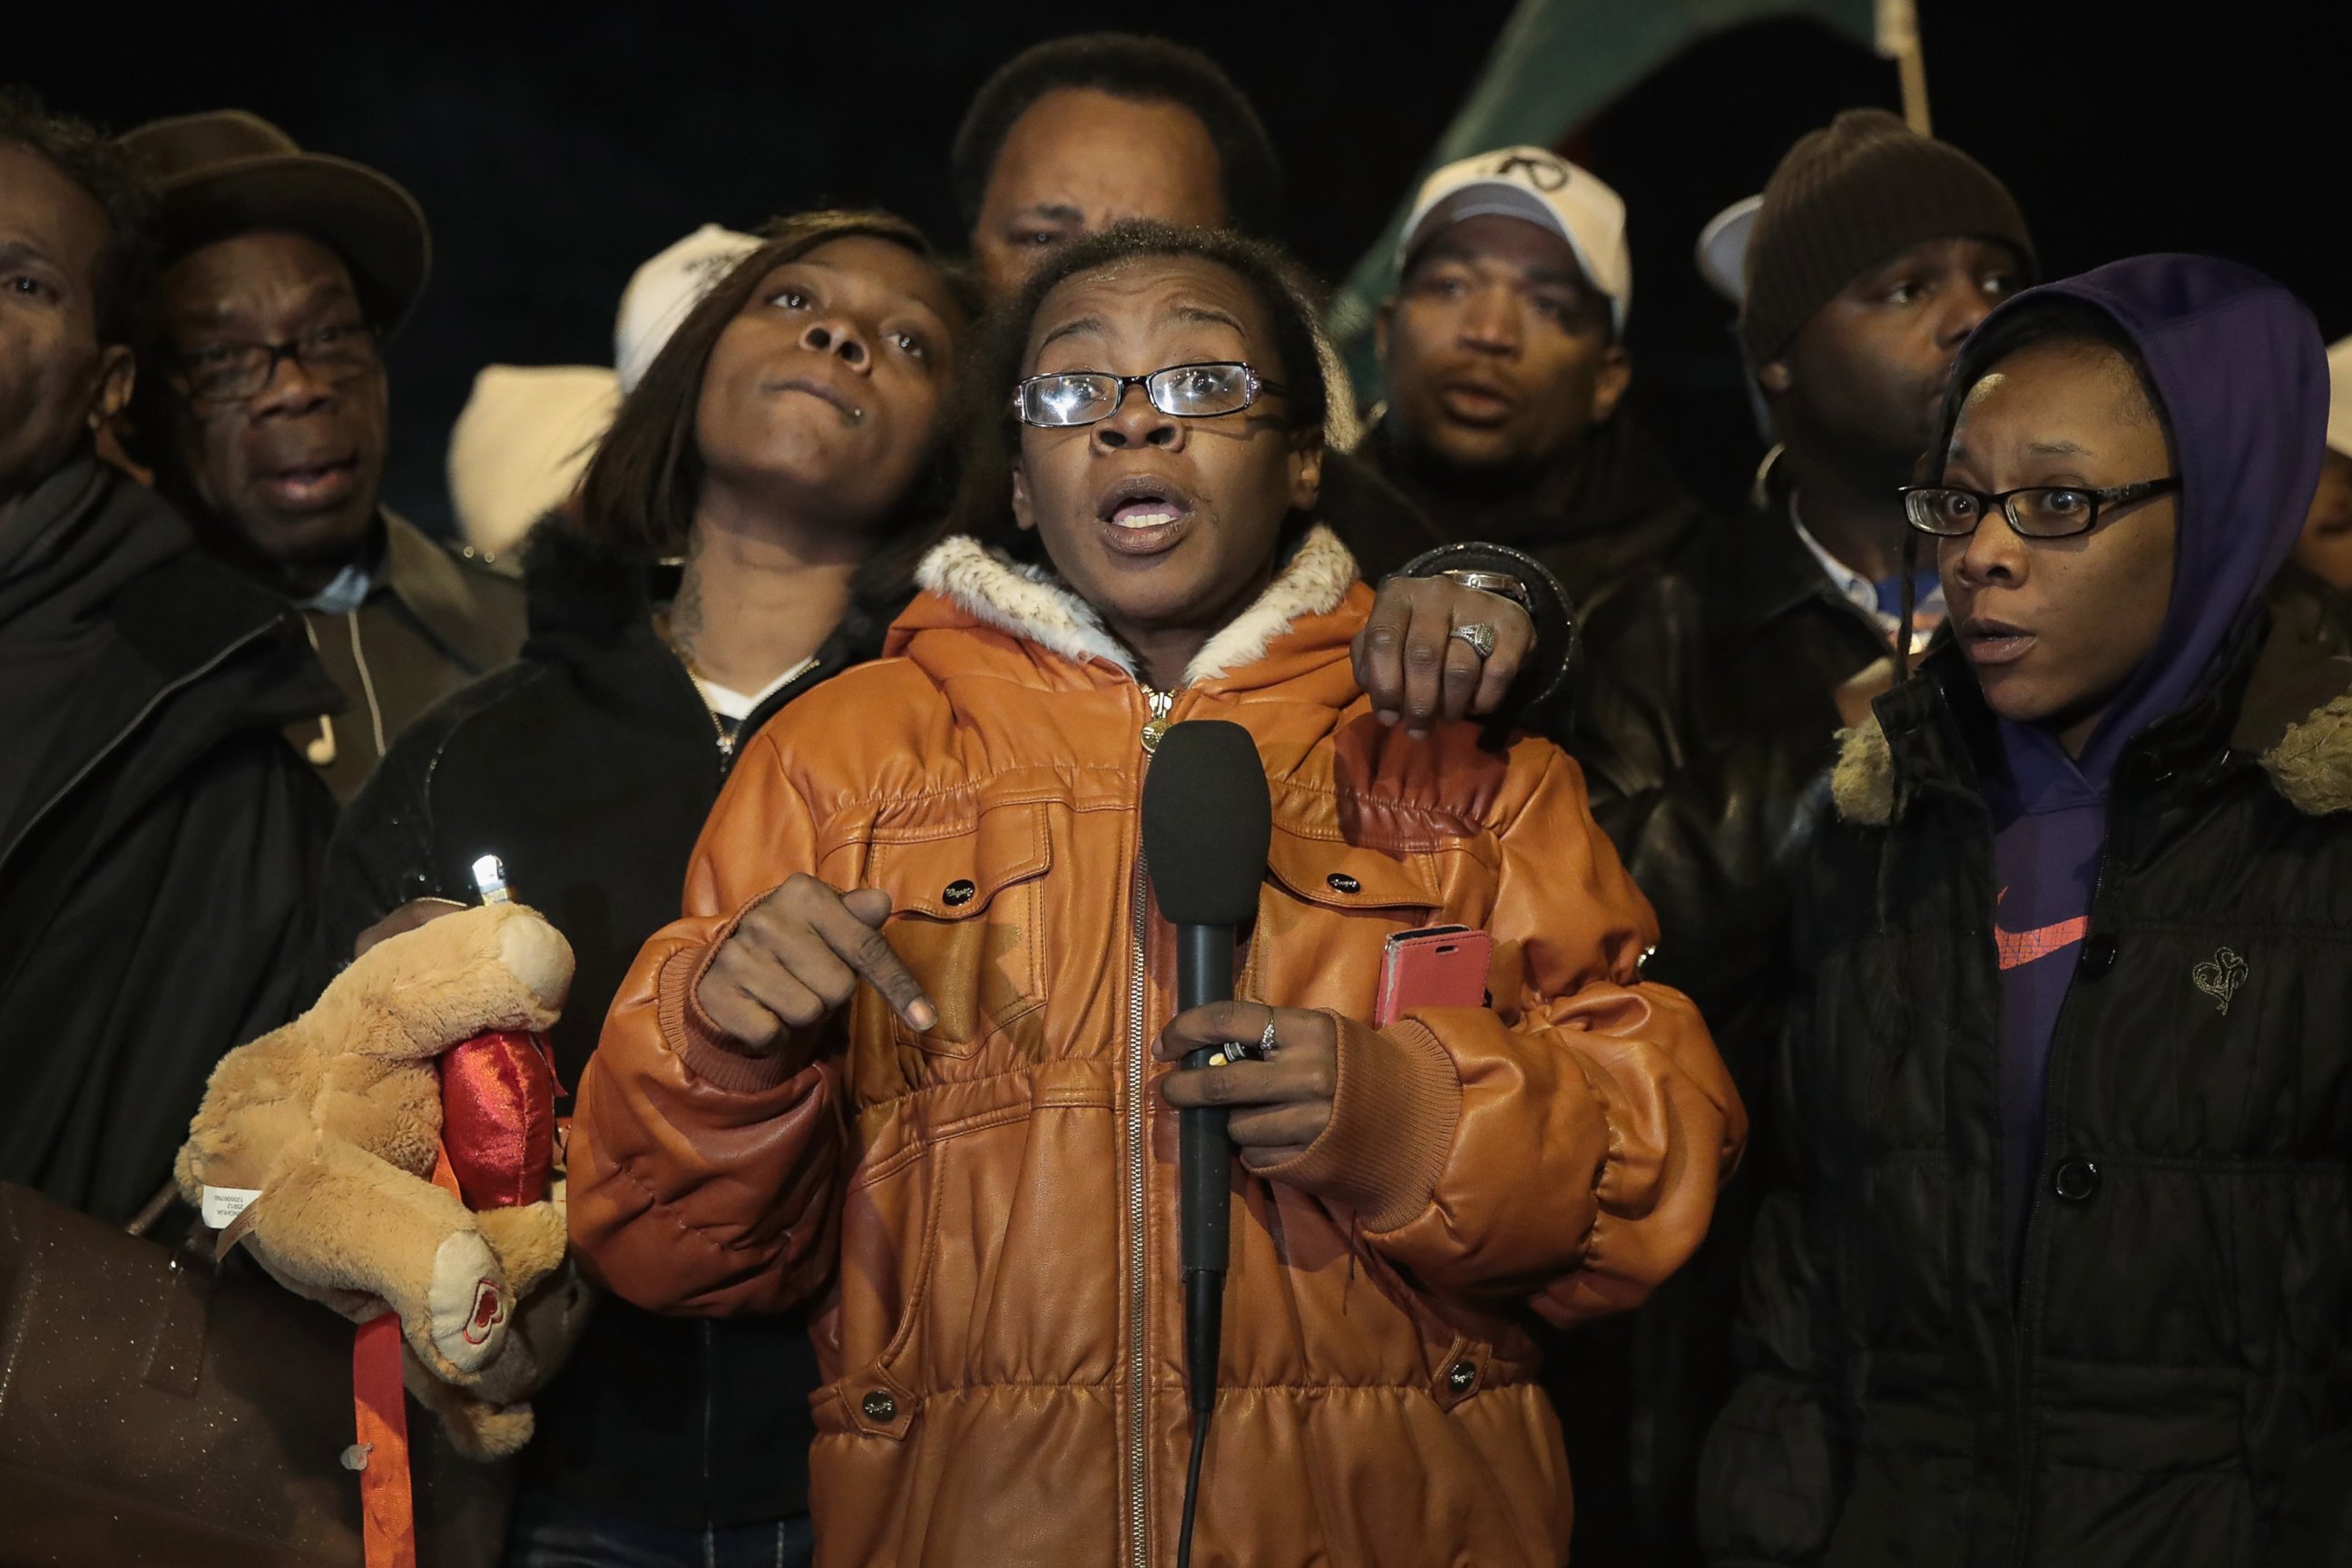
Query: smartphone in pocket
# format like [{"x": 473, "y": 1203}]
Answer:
[{"x": 1437, "y": 966}]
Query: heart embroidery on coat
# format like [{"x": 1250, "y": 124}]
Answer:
[{"x": 2220, "y": 977}]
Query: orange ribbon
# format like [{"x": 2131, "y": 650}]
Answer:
[{"x": 380, "y": 1408}]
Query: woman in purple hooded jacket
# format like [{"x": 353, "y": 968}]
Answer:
[{"x": 2062, "y": 1271}]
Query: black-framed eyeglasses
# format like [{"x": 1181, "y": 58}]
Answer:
[
  {"x": 2034, "y": 511},
  {"x": 1075, "y": 397},
  {"x": 231, "y": 373}
]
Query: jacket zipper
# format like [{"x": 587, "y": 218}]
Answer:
[
  {"x": 1158, "y": 705},
  {"x": 147, "y": 711}
]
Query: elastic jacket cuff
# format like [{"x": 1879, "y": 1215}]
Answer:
[
  {"x": 709, "y": 1052},
  {"x": 1392, "y": 1117}
]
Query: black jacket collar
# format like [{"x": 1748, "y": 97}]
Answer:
[
  {"x": 2269, "y": 693},
  {"x": 148, "y": 654},
  {"x": 1761, "y": 571},
  {"x": 421, "y": 574},
  {"x": 592, "y": 602}
]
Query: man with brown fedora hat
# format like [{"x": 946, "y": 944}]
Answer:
[{"x": 263, "y": 411}]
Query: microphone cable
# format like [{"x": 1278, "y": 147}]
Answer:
[
  {"x": 1192, "y": 1491},
  {"x": 1204, "y": 1327}
]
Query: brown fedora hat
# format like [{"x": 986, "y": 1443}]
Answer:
[{"x": 227, "y": 172}]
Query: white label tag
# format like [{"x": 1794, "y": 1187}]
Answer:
[{"x": 221, "y": 1206}]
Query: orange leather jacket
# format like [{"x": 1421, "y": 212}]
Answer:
[{"x": 986, "y": 1214}]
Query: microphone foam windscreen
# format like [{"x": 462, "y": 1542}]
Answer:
[{"x": 1207, "y": 822}]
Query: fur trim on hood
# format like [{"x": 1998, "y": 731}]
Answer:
[
  {"x": 1863, "y": 781},
  {"x": 2311, "y": 766},
  {"x": 1030, "y": 601}
]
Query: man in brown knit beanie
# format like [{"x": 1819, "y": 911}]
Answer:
[
  {"x": 1876, "y": 252},
  {"x": 1713, "y": 690}
]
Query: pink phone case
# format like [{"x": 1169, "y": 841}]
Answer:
[{"x": 1442, "y": 966}]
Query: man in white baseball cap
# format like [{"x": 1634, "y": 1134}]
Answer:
[{"x": 1503, "y": 352}]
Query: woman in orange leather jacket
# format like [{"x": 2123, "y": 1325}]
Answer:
[{"x": 910, "y": 1051}]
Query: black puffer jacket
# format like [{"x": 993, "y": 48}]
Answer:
[{"x": 2168, "y": 1379}]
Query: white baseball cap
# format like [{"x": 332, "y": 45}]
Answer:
[
  {"x": 664, "y": 289},
  {"x": 2339, "y": 396},
  {"x": 1544, "y": 189}
]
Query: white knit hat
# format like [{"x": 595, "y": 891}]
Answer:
[
  {"x": 664, "y": 289},
  {"x": 520, "y": 445}
]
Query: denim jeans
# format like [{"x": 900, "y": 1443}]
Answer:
[{"x": 550, "y": 1533}]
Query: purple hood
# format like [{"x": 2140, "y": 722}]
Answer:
[
  {"x": 2241, "y": 376},
  {"x": 2241, "y": 379}
]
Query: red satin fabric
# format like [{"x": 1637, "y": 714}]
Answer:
[{"x": 497, "y": 1117}]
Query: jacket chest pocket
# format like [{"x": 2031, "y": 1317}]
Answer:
[
  {"x": 967, "y": 918},
  {"x": 1327, "y": 913}
]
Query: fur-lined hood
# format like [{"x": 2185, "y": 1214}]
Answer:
[
  {"x": 1031, "y": 603},
  {"x": 2310, "y": 765}
]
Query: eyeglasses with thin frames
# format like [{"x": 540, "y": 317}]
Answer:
[
  {"x": 2031, "y": 512},
  {"x": 1069, "y": 399}
]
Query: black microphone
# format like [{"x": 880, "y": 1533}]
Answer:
[{"x": 1207, "y": 824}]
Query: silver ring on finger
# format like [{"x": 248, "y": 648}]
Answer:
[
  {"x": 1479, "y": 635},
  {"x": 1264, "y": 1049}
]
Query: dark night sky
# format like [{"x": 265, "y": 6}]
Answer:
[{"x": 556, "y": 148}]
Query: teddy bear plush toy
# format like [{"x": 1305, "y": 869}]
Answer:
[{"x": 317, "y": 1147}]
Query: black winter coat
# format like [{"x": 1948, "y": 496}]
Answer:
[
  {"x": 1707, "y": 714},
  {"x": 2167, "y": 1377},
  {"x": 1704, "y": 720},
  {"x": 588, "y": 766},
  {"x": 159, "y": 840}
]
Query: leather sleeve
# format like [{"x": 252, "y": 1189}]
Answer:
[
  {"x": 703, "y": 1178},
  {"x": 1565, "y": 1145},
  {"x": 1713, "y": 815}
]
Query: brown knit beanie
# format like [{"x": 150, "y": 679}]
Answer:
[{"x": 1845, "y": 198}]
